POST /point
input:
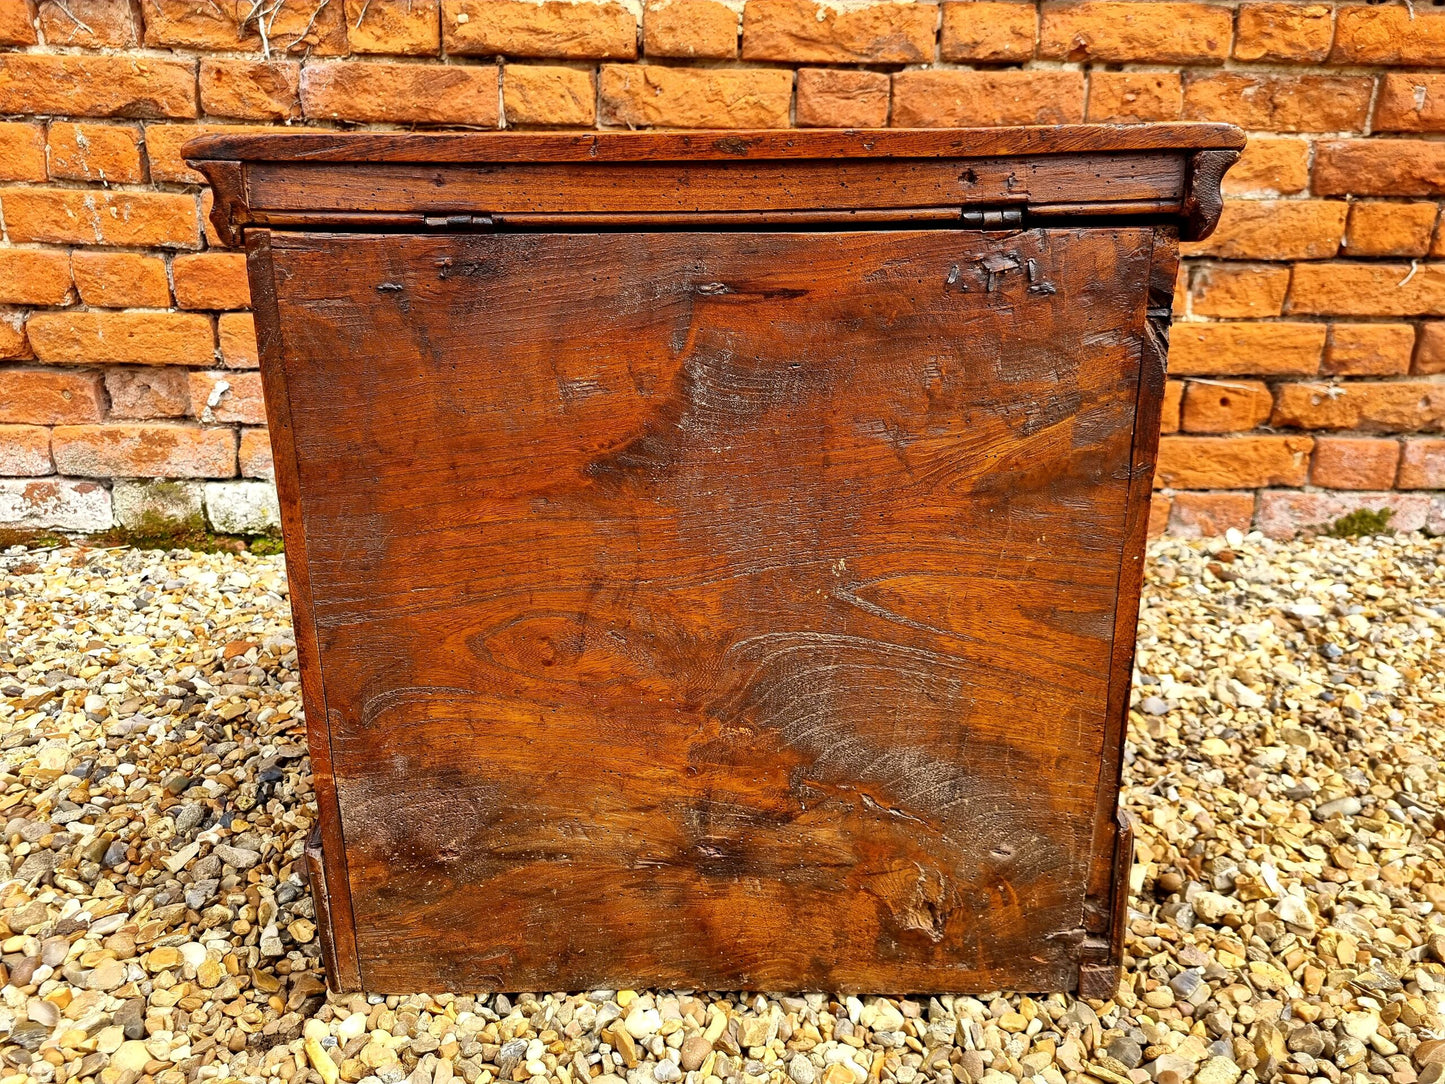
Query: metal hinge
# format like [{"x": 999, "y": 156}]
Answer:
[
  {"x": 458, "y": 222},
  {"x": 992, "y": 218}
]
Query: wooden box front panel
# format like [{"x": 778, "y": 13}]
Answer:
[{"x": 714, "y": 609}]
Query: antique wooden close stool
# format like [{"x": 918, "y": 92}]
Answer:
[{"x": 715, "y": 557}]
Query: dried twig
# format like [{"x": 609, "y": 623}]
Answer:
[{"x": 72, "y": 17}]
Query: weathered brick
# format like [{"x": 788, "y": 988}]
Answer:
[
  {"x": 293, "y": 26},
  {"x": 237, "y": 331},
  {"x": 1280, "y": 103},
  {"x": 1379, "y": 167},
  {"x": 25, "y": 451},
  {"x": 1284, "y": 32},
  {"x": 1238, "y": 292},
  {"x": 401, "y": 93},
  {"x": 158, "y": 507},
  {"x": 1225, "y": 406},
  {"x": 123, "y": 338},
  {"x": 690, "y": 28},
  {"x": 1270, "y": 166},
  {"x": 1158, "y": 515},
  {"x": 398, "y": 27},
  {"x": 243, "y": 507},
  {"x": 88, "y": 24},
  {"x": 17, "y": 23},
  {"x": 1422, "y": 466},
  {"x": 143, "y": 450},
  {"x": 1390, "y": 34},
  {"x": 58, "y": 503},
  {"x": 811, "y": 32},
  {"x": 1119, "y": 30},
  {"x": 97, "y": 86},
  {"x": 228, "y": 397},
  {"x": 1285, "y": 514},
  {"x": 1246, "y": 462},
  {"x": 935, "y": 99},
  {"x": 50, "y": 396},
  {"x": 1276, "y": 230},
  {"x": 251, "y": 90},
  {"x": 109, "y": 153},
  {"x": 1410, "y": 102},
  {"x": 1390, "y": 229},
  {"x": 211, "y": 280},
  {"x": 1368, "y": 289},
  {"x": 93, "y": 216},
  {"x": 141, "y": 394},
  {"x": 834, "y": 98},
  {"x": 120, "y": 280},
  {"x": 1404, "y": 406},
  {"x": 1134, "y": 97},
  {"x": 31, "y": 276},
  {"x": 1273, "y": 349},
  {"x": 22, "y": 151},
  {"x": 1369, "y": 349},
  {"x": 256, "y": 458},
  {"x": 585, "y": 30},
  {"x": 541, "y": 95},
  {"x": 655, "y": 96},
  {"x": 1171, "y": 406},
  {"x": 1206, "y": 515},
  {"x": 1354, "y": 462},
  {"x": 1430, "y": 349},
  {"x": 164, "y": 143},
  {"x": 14, "y": 346},
  {"x": 989, "y": 30}
]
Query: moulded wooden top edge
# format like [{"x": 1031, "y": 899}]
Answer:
[{"x": 703, "y": 145}]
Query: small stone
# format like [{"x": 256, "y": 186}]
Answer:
[
  {"x": 132, "y": 1056},
  {"x": 1125, "y": 1051},
  {"x": 1218, "y": 1070},
  {"x": 801, "y": 1070},
  {"x": 107, "y": 975},
  {"x": 1154, "y": 705},
  {"x": 130, "y": 1018},
  {"x": 1347, "y": 806},
  {"x": 666, "y": 1072},
  {"x": 237, "y": 857},
  {"x": 694, "y": 1052}
]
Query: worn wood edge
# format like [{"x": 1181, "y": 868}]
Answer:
[
  {"x": 321, "y": 905},
  {"x": 229, "y": 211},
  {"x": 334, "y": 913},
  {"x": 1203, "y": 192}
]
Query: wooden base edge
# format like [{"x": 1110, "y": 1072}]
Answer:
[
  {"x": 1099, "y": 982},
  {"x": 316, "y": 874}
]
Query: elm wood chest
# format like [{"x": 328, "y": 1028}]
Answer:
[{"x": 715, "y": 556}]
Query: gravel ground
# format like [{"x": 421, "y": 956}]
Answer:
[{"x": 1284, "y": 771}]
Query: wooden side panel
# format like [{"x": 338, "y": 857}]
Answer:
[{"x": 719, "y": 610}]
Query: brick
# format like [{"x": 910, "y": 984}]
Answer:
[
  {"x": 34, "y": 277},
  {"x": 57, "y": 503},
  {"x": 995, "y": 31},
  {"x": 295, "y": 26},
  {"x": 164, "y": 143},
  {"x": 398, "y": 27},
  {"x": 97, "y": 86},
  {"x": 1231, "y": 462},
  {"x": 243, "y": 507},
  {"x": 1170, "y": 408},
  {"x": 1369, "y": 349},
  {"x": 211, "y": 280},
  {"x": 120, "y": 280},
  {"x": 1354, "y": 462},
  {"x": 122, "y": 338},
  {"x": 14, "y": 346},
  {"x": 1405, "y": 406},
  {"x": 237, "y": 332},
  {"x": 1270, "y": 166},
  {"x": 256, "y": 458},
  {"x": 1390, "y": 229},
  {"x": 50, "y": 396},
  {"x": 690, "y": 28},
  {"x": 251, "y": 90},
  {"x": 22, "y": 151},
  {"x": 88, "y": 24},
  {"x": 159, "y": 507},
  {"x": 1422, "y": 466},
  {"x": 934, "y": 99},
  {"x": 25, "y": 451},
  {"x": 1285, "y": 514},
  {"x": 833, "y": 98},
  {"x": 91, "y": 216},
  {"x": 1238, "y": 292},
  {"x": 401, "y": 93},
  {"x": 143, "y": 450},
  {"x": 1289, "y": 33},
  {"x": 142, "y": 394},
  {"x": 542, "y": 95},
  {"x": 1279, "y": 103},
  {"x": 1207, "y": 515},
  {"x": 1135, "y": 97},
  {"x": 1368, "y": 289},
  {"x": 655, "y": 96},
  {"x": 1158, "y": 515},
  {"x": 1225, "y": 406},
  {"x": 1275, "y": 230},
  {"x": 17, "y": 23},
  {"x": 1127, "y": 32},
  {"x": 228, "y": 397},
  {"x": 811, "y": 32},
  {"x": 1390, "y": 34},
  {"x": 1430, "y": 349},
  {"x": 109, "y": 153},
  {"x": 1379, "y": 167},
  {"x": 1410, "y": 102},
  {"x": 585, "y": 30},
  {"x": 1274, "y": 349}
]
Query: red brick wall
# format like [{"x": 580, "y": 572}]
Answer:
[{"x": 1306, "y": 364}]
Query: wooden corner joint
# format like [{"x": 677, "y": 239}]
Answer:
[
  {"x": 228, "y": 208},
  {"x": 1101, "y": 955},
  {"x": 1203, "y": 197}
]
